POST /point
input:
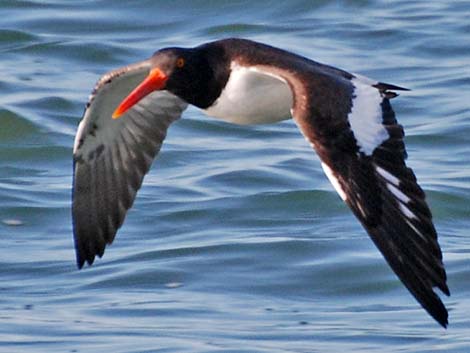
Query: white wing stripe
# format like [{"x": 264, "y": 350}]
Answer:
[
  {"x": 388, "y": 176},
  {"x": 415, "y": 230},
  {"x": 393, "y": 183},
  {"x": 78, "y": 135},
  {"x": 334, "y": 181},
  {"x": 406, "y": 211},
  {"x": 398, "y": 193}
]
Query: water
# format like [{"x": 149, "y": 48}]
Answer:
[{"x": 237, "y": 242}]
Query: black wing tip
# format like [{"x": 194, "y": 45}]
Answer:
[
  {"x": 435, "y": 307},
  {"x": 87, "y": 258},
  {"x": 442, "y": 318},
  {"x": 82, "y": 260},
  {"x": 445, "y": 289},
  {"x": 382, "y": 86},
  {"x": 80, "y": 264}
]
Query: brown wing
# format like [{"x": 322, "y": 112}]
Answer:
[
  {"x": 352, "y": 126},
  {"x": 111, "y": 156}
]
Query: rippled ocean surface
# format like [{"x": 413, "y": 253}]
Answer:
[{"x": 236, "y": 242}]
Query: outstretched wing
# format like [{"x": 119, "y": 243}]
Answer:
[
  {"x": 111, "y": 156},
  {"x": 360, "y": 143}
]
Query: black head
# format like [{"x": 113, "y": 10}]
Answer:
[{"x": 196, "y": 75}]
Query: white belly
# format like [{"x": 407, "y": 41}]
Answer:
[{"x": 252, "y": 96}]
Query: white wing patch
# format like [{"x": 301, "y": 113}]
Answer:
[{"x": 365, "y": 117}]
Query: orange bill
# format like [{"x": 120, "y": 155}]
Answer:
[{"x": 154, "y": 81}]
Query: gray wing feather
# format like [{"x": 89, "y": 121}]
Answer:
[{"x": 111, "y": 157}]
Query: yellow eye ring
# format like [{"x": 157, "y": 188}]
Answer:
[{"x": 180, "y": 62}]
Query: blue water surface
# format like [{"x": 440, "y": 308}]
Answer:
[{"x": 237, "y": 242}]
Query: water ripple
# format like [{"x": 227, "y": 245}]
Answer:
[{"x": 236, "y": 242}]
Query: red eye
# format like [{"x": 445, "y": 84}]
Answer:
[{"x": 180, "y": 62}]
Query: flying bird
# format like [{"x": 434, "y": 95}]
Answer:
[{"x": 346, "y": 118}]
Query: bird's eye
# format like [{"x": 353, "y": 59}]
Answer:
[{"x": 180, "y": 62}]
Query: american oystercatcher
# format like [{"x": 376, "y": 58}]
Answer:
[{"x": 347, "y": 119}]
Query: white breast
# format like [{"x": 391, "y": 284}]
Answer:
[{"x": 252, "y": 96}]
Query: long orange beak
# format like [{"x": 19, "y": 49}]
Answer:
[{"x": 154, "y": 81}]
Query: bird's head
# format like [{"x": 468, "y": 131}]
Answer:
[{"x": 187, "y": 73}]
